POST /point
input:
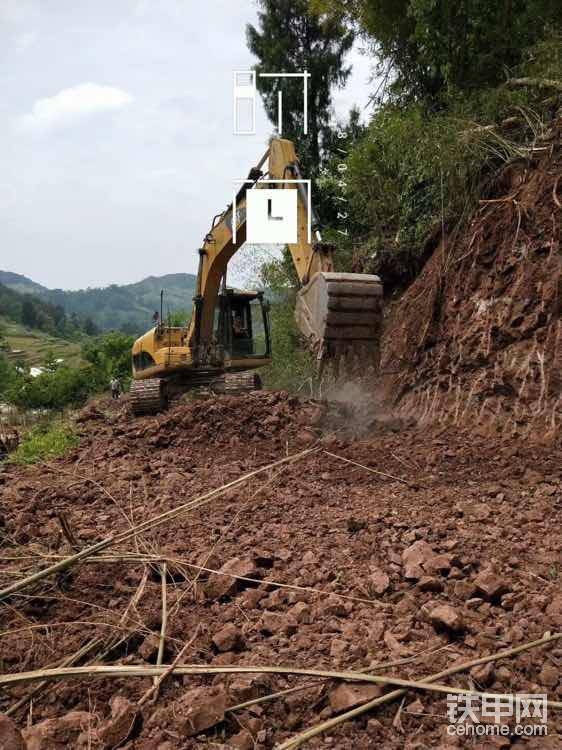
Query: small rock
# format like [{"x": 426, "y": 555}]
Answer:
[
  {"x": 338, "y": 648},
  {"x": 194, "y": 712},
  {"x": 549, "y": 676},
  {"x": 10, "y": 735},
  {"x": 483, "y": 674},
  {"x": 445, "y": 616},
  {"x": 378, "y": 582},
  {"x": 225, "y": 585},
  {"x": 245, "y": 688},
  {"x": 416, "y": 707},
  {"x": 490, "y": 585},
  {"x": 149, "y": 647},
  {"x": 437, "y": 564},
  {"x": 464, "y": 589},
  {"x": 428, "y": 583},
  {"x": 414, "y": 556},
  {"x": 125, "y": 718},
  {"x": 346, "y": 695},
  {"x": 332, "y": 606},
  {"x": 242, "y": 741},
  {"x": 228, "y": 638},
  {"x": 301, "y": 613},
  {"x": 305, "y": 437},
  {"x": 309, "y": 558},
  {"x": 478, "y": 511},
  {"x": 554, "y": 610},
  {"x": 274, "y": 622},
  {"x": 70, "y": 730}
]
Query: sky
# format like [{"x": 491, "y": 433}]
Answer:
[{"x": 116, "y": 134}]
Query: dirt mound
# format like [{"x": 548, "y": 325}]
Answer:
[
  {"x": 415, "y": 548},
  {"x": 477, "y": 338}
]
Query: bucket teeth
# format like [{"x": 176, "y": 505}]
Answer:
[{"x": 341, "y": 313}]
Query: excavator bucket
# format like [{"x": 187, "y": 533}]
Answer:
[{"x": 340, "y": 314}]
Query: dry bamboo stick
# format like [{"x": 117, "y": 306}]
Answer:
[
  {"x": 162, "y": 639},
  {"x": 373, "y": 471},
  {"x": 159, "y": 680},
  {"x": 308, "y": 685},
  {"x": 308, "y": 734},
  {"x": 145, "y": 526},
  {"x": 154, "y": 671}
]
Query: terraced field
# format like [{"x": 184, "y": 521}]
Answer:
[{"x": 35, "y": 345}]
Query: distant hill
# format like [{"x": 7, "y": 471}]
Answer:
[{"x": 129, "y": 307}]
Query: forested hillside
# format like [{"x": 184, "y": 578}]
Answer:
[
  {"x": 38, "y": 313},
  {"x": 127, "y": 308}
]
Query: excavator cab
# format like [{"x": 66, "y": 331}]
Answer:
[{"x": 242, "y": 327}]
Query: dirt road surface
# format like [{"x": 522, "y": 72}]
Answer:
[{"x": 450, "y": 554}]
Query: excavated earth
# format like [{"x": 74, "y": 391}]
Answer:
[
  {"x": 437, "y": 546},
  {"x": 477, "y": 337}
]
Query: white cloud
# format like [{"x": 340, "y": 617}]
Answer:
[{"x": 72, "y": 104}]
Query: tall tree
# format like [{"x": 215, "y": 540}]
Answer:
[
  {"x": 289, "y": 39},
  {"x": 430, "y": 48}
]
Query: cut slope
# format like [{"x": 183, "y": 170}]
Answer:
[{"x": 477, "y": 336}]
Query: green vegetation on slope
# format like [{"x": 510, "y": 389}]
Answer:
[
  {"x": 44, "y": 315},
  {"x": 35, "y": 345},
  {"x": 43, "y": 442}
]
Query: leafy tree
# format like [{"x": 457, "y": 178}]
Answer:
[
  {"x": 29, "y": 313},
  {"x": 52, "y": 390},
  {"x": 290, "y": 39},
  {"x": 50, "y": 363},
  {"x": 8, "y": 376},
  {"x": 429, "y": 48},
  {"x": 110, "y": 356}
]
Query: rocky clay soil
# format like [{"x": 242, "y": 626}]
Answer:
[
  {"x": 449, "y": 554},
  {"x": 476, "y": 339}
]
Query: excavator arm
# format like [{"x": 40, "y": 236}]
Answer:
[{"x": 338, "y": 313}]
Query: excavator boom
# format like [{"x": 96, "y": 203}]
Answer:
[{"x": 339, "y": 314}]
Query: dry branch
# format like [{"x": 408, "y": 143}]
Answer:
[
  {"x": 300, "y": 739},
  {"x": 539, "y": 83},
  {"x": 148, "y": 525},
  {"x": 143, "y": 671},
  {"x": 374, "y": 471}
]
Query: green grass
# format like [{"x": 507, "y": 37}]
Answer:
[
  {"x": 35, "y": 344},
  {"x": 43, "y": 442}
]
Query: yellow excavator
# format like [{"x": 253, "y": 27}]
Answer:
[{"x": 228, "y": 336}]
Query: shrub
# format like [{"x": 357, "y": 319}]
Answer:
[
  {"x": 43, "y": 442},
  {"x": 65, "y": 386}
]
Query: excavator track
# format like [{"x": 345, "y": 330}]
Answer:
[
  {"x": 237, "y": 382},
  {"x": 148, "y": 396}
]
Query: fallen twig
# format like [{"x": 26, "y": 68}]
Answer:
[
  {"x": 147, "y": 525},
  {"x": 540, "y": 83},
  {"x": 308, "y": 734},
  {"x": 154, "y": 671},
  {"x": 414, "y": 486},
  {"x": 159, "y": 680},
  {"x": 162, "y": 639}
]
